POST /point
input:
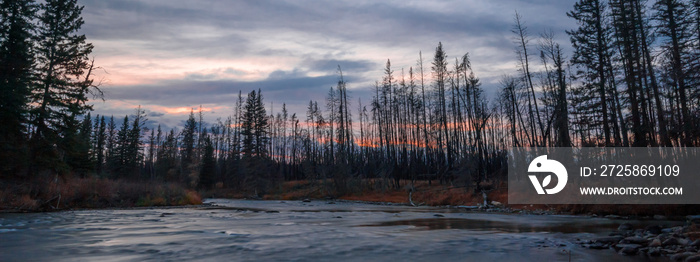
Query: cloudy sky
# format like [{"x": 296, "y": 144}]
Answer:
[{"x": 172, "y": 55}]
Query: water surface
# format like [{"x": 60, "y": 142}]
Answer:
[{"x": 248, "y": 230}]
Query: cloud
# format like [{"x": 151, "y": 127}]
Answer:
[
  {"x": 181, "y": 53},
  {"x": 287, "y": 86},
  {"x": 155, "y": 114}
]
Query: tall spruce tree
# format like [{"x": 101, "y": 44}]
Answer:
[
  {"x": 207, "y": 174},
  {"x": 16, "y": 64},
  {"x": 592, "y": 53},
  {"x": 63, "y": 82},
  {"x": 675, "y": 28},
  {"x": 254, "y": 126}
]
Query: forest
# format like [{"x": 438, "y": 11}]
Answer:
[{"x": 631, "y": 80}]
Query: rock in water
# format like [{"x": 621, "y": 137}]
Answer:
[
  {"x": 624, "y": 227},
  {"x": 635, "y": 240},
  {"x": 695, "y": 243},
  {"x": 694, "y": 219},
  {"x": 608, "y": 240},
  {"x": 629, "y": 249},
  {"x": 655, "y": 243},
  {"x": 695, "y": 258},
  {"x": 682, "y": 256},
  {"x": 659, "y": 217},
  {"x": 654, "y": 252},
  {"x": 670, "y": 241},
  {"x": 653, "y": 229}
]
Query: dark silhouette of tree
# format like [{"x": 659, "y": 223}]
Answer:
[
  {"x": 674, "y": 26},
  {"x": 63, "y": 82},
  {"x": 208, "y": 169},
  {"x": 592, "y": 51},
  {"x": 16, "y": 65}
]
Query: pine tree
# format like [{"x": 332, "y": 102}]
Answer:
[
  {"x": 111, "y": 161},
  {"x": 440, "y": 75},
  {"x": 134, "y": 154},
  {"x": 100, "y": 137},
  {"x": 63, "y": 81},
  {"x": 188, "y": 143},
  {"x": 255, "y": 126},
  {"x": 80, "y": 159},
  {"x": 208, "y": 169},
  {"x": 121, "y": 151},
  {"x": 16, "y": 64},
  {"x": 674, "y": 25},
  {"x": 592, "y": 52}
]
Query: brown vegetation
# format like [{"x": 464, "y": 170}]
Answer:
[
  {"x": 434, "y": 194},
  {"x": 57, "y": 193}
]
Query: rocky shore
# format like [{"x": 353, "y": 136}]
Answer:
[{"x": 680, "y": 243}]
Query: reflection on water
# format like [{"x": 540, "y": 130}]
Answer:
[{"x": 243, "y": 230}]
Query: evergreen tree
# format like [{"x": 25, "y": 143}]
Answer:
[
  {"x": 80, "y": 159},
  {"x": 63, "y": 82},
  {"x": 255, "y": 126},
  {"x": 592, "y": 52},
  {"x": 16, "y": 64},
  {"x": 440, "y": 75},
  {"x": 111, "y": 161},
  {"x": 134, "y": 152},
  {"x": 208, "y": 169},
  {"x": 674, "y": 26},
  {"x": 121, "y": 154},
  {"x": 188, "y": 141},
  {"x": 100, "y": 137}
]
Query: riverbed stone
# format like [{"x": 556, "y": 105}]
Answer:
[
  {"x": 653, "y": 229},
  {"x": 694, "y": 258},
  {"x": 684, "y": 241},
  {"x": 695, "y": 243},
  {"x": 635, "y": 240},
  {"x": 596, "y": 245},
  {"x": 608, "y": 240},
  {"x": 671, "y": 241},
  {"x": 655, "y": 243},
  {"x": 682, "y": 256},
  {"x": 659, "y": 217},
  {"x": 694, "y": 218},
  {"x": 654, "y": 251},
  {"x": 624, "y": 227},
  {"x": 628, "y": 249}
]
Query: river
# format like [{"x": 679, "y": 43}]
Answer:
[{"x": 251, "y": 230}]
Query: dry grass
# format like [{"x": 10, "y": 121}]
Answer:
[
  {"x": 434, "y": 194},
  {"x": 375, "y": 190},
  {"x": 68, "y": 193}
]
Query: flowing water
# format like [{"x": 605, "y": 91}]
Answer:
[{"x": 248, "y": 230}]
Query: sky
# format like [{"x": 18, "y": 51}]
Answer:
[{"x": 169, "y": 56}]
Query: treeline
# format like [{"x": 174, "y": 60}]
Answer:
[
  {"x": 632, "y": 80},
  {"x": 639, "y": 71}
]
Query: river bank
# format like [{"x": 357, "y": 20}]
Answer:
[
  {"x": 56, "y": 194},
  {"x": 432, "y": 193}
]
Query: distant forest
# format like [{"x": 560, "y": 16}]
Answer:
[{"x": 632, "y": 80}]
